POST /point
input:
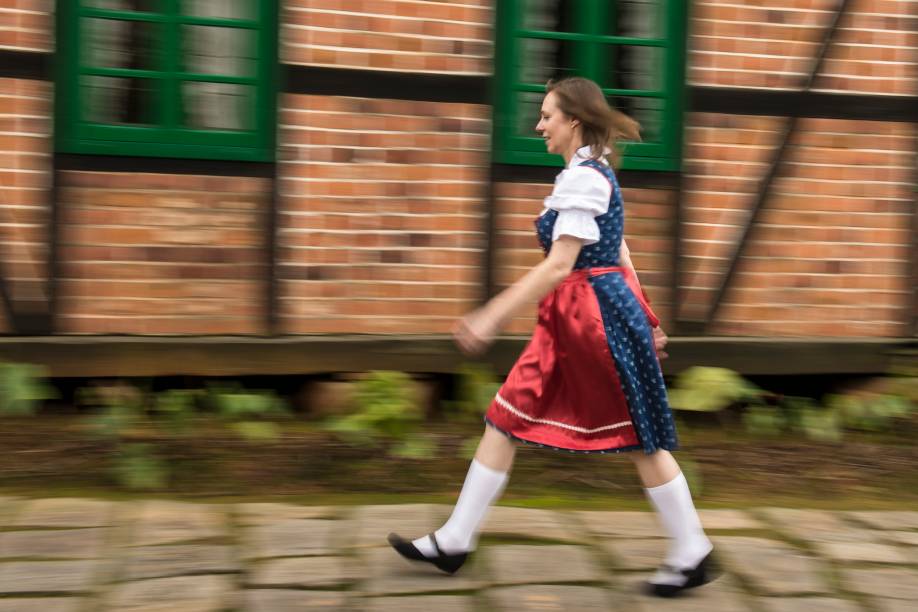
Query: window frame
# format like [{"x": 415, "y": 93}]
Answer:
[
  {"x": 588, "y": 17},
  {"x": 75, "y": 133}
]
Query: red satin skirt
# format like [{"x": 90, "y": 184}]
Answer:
[{"x": 564, "y": 390}]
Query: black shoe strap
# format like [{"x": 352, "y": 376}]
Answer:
[{"x": 433, "y": 540}]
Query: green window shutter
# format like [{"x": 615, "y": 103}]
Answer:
[
  {"x": 634, "y": 49},
  {"x": 167, "y": 78}
]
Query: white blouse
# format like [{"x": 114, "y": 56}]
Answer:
[{"x": 580, "y": 195}]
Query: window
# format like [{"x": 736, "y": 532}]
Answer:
[
  {"x": 167, "y": 78},
  {"x": 634, "y": 49}
]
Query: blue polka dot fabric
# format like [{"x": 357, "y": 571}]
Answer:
[{"x": 628, "y": 332}]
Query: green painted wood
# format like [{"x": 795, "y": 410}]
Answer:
[
  {"x": 593, "y": 54},
  {"x": 165, "y": 135}
]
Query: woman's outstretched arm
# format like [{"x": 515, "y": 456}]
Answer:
[{"x": 475, "y": 331}]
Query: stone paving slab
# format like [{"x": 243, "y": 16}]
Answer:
[
  {"x": 806, "y": 604},
  {"x": 550, "y": 597},
  {"x": 537, "y": 564},
  {"x": 819, "y": 525},
  {"x": 860, "y": 551},
  {"x": 164, "y": 561},
  {"x": 909, "y": 538},
  {"x": 8, "y": 506},
  {"x": 531, "y": 523},
  {"x": 281, "y": 600},
  {"x": 185, "y": 593},
  {"x": 773, "y": 567},
  {"x": 48, "y": 576},
  {"x": 372, "y": 524},
  {"x": 421, "y": 603},
  {"x": 729, "y": 519},
  {"x": 636, "y": 554},
  {"x": 267, "y": 513},
  {"x": 65, "y": 512},
  {"x": 291, "y": 538},
  {"x": 389, "y": 574},
  {"x": 722, "y": 595},
  {"x": 42, "y": 604},
  {"x": 56, "y": 544},
  {"x": 834, "y": 538},
  {"x": 894, "y": 519},
  {"x": 893, "y": 583},
  {"x": 894, "y": 605},
  {"x": 622, "y": 524},
  {"x": 307, "y": 572},
  {"x": 165, "y": 522}
]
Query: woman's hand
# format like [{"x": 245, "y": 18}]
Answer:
[
  {"x": 475, "y": 332},
  {"x": 659, "y": 342}
]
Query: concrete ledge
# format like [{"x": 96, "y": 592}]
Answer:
[{"x": 123, "y": 356}]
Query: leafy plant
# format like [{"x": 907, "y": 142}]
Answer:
[
  {"x": 122, "y": 417},
  {"x": 139, "y": 468},
  {"x": 873, "y": 412},
  {"x": 246, "y": 411},
  {"x": 708, "y": 389},
  {"x": 764, "y": 420},
  {"x": 23, "y": 388},
  {"x": 477, "y": 386},
  {"x": 386, "y": 414}
]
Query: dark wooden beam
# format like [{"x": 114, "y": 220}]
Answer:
[
  {"x": 385, "y": 84},
  {"x": 813, "y": 104},
  {"x": 31, "y": 65},
  {"x": 139, "y": 356}
]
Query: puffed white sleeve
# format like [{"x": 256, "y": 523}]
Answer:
[{"x": 581, "y": 194}]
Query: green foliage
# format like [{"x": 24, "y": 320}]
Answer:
[
  {"x": 122, "y": 416},
  {"x": 138, "y": 467},
  {"x": 477, "y": 386},
  {"x": 120, "y": 410},
  {"x": 386, "y": 414},
  {"x": 245, "y": 411},
  {"x": 873, "y": 412},
  {"x": 23, "y": 388},
  {"x": 764, "y": 420},
  {"x": 707, "y": 389},
  {"x": 176, "y": 408}
]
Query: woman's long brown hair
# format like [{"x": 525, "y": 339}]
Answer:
[{"x": 601, "y": 125}]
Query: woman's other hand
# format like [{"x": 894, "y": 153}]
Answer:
[
  {"x": 659, "y": 342},
  {"x": 475, "y": 332}
]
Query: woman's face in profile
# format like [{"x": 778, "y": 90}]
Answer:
[{"x": 554, "y": 126}]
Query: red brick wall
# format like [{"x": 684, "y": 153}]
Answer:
[
  {"x": 162, "y": 254},
  {"x": 25, "y": 180},
  {"x": 382, "y": 206},
  {"x": 401, "y": 35},
  {"x": 829, "y": 255},
  {"x": 749, "y": 43},
  {"x": 381, "y": 214},
  {"x": 26, "y": 25}
]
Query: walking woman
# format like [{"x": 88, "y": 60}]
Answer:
[{"x": 589, "y": 380}]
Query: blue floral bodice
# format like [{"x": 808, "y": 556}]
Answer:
[{"x": 611, "y": 227}]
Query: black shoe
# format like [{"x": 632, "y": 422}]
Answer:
[
  {"x": 448, "y": 563},
  {"x": 703, "y": 573}
]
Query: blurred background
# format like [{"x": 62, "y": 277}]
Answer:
[{"x": 233, "y": 229}]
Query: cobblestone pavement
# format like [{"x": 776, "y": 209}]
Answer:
[{"x": 80, "y": 555}]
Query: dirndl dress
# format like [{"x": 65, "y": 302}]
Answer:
[{"x": 589, "y": 380}]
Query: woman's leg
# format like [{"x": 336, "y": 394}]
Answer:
[
  {"x": 483, "y": 485},
  {"x": 670, "y": 496}
]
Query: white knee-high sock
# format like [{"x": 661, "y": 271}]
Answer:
[
  {"x": 460, "y": 533},
  {"x": 673, "y": 503}
]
